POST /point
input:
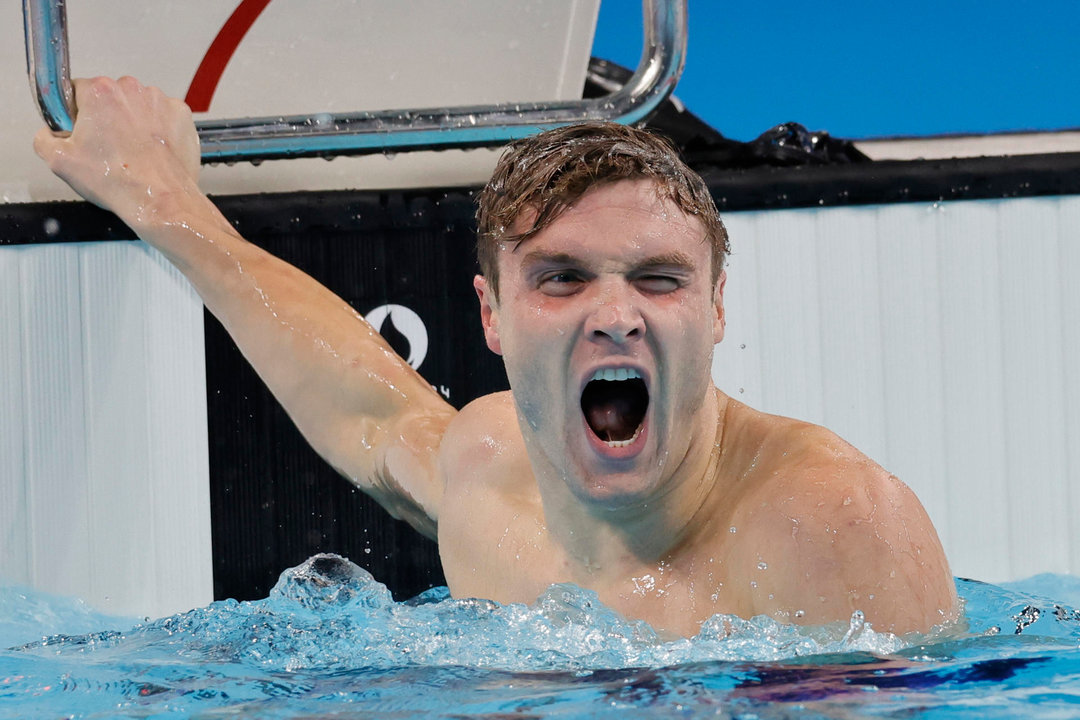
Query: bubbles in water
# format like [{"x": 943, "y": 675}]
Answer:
[
  {"x": 855, "y": 627},
  {"x": 1026, "y": 617}
]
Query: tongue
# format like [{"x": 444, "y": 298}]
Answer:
[{"x": 609, "y": 418}]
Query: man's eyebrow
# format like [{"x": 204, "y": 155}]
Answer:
[
  {"x": 664, "y": 260},
  {"x": 549, "y": 258},
  {"x": 668, "y": 260}
]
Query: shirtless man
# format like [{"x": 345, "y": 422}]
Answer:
[{"x": 614, "y": 462}]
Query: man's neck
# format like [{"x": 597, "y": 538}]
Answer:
[{"x": 603, "y": 541}]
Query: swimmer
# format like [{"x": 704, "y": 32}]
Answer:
[{"x": 613, "y": 462}]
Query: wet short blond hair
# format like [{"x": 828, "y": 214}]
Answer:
[{"x": 549, "y": 172}]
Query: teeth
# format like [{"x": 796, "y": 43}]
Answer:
[
  {"x": 624, "y": 443},
  {"x": 610, "y": 374}
]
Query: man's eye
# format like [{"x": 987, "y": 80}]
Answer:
[
  {"x": 563, "y": 277},
  {"x": 560, "y": 283},
  {"x": 658, "y": 284}
]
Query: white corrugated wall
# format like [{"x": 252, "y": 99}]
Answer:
[
  {"x": 104, "y": 473},
  {"x": 941, "y": 339}
]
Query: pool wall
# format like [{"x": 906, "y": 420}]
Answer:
[
  {"x": 103, "y": 444},
  {"x": 935, "y": 336}
]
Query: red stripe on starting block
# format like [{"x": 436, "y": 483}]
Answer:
[{"x": 221, "y": 51}]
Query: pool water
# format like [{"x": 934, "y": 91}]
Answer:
[{"x": 330, "y": 642}]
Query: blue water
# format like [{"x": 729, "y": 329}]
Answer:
[{"x": 330, "y": 642}]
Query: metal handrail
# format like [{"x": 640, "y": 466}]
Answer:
[
  {"x": 385, "y": 131},
  {"x": 45, "y": 25}
]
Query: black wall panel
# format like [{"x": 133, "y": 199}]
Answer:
[{"x": 274, "y": 501}]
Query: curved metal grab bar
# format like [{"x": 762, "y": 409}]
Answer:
[
  {"x": 45, "y": 25},
  {"x": 386, "y": 131}
]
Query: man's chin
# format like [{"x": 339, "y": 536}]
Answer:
[{"x": 612, "y": 492}]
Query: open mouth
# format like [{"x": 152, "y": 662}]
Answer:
[{"x": 614, "y": 403}]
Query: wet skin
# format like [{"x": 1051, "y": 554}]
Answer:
[
  {"x": 714, "y": 507},
  {"x": 711, "y": 507}
]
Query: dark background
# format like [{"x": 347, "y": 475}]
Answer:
[{"x": 274, "y": 502}]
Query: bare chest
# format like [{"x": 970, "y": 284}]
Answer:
[{"x": 517, "y": 560}]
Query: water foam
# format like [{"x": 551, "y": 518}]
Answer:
[{"x": 331, "y": 614}]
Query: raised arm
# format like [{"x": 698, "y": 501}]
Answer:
[{"x": 135, "y": 152}]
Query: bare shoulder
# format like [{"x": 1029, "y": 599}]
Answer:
[
  {"x": 842, "y": 534},
  {"x": 482, "y": 441},
  {"x": 489, "y": 497},
  {"x": 483, "y": 463}
]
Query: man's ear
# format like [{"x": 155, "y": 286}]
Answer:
[
  {"x": 718, "y": 301},
  {"x": 489, "y": 313}
]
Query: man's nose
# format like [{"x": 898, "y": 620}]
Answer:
[{"x": 615, "y": 317}]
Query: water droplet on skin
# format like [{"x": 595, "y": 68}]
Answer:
[
  {"x": 799, "y": 613},
  {"x": 732, "y": 529},
  {"x": 762, "y": 566},
  {"x": 753, "y": 583}
]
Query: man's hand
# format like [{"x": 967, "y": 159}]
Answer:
[{"x": 132, "y": 148}]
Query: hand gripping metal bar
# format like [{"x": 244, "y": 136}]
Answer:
[{"x": 385, "y": 131}]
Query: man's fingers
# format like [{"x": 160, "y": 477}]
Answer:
[
  {"x": 48, "y": 146},
  {"x": 85, "y": 87},
  {"x": 127, "y": 82}
]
